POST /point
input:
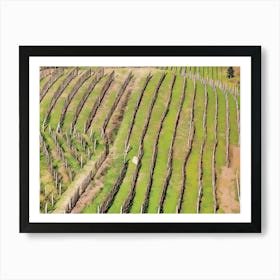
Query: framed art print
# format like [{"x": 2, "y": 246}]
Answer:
[{"x": 140, "y": 138}]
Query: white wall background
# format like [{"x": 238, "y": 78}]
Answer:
[{"x": 139, "y": 256}]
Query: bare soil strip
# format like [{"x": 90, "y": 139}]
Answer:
[{"x": 226, "y": 184}]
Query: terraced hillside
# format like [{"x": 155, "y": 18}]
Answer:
[{"x": 139, "y": 140}]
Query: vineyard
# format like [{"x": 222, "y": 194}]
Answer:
[{"x": 139, "y": 140}]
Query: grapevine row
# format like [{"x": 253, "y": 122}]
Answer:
[
  {"x": 57, "y": 73},
  {"x": 171, "y": 150},
  {"x": 155, "y": 149},
  {"x": 58, "y": 93},
  {"x": 189, "y": 149},
  {"x": 86, "y": 75},
  {"x": 97, "y": 77},
  {"x": 98, "y": 102},
  {"x": 127, "y": 204},
  {"x": 200, "y": 169},
  {"x": 214, "y": 176},
  {"x": 136, "y": 109}
]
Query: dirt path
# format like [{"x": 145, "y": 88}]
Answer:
[
  {"x": 62, "y": 203},
  {"x": 87, "y": 196},
  {"x": 95, "y": 186},
  {"x": 226, "y": 184}
]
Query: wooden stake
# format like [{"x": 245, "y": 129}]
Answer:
[
  {"x": 58, "y": 127},
  {"x": 56, "y": 180},
  {"x": 94, "y": 145},
  {"x": 71, "y": 175},
  {"x": 237, "y": 184}
]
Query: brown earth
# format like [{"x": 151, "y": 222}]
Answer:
[
  {"x": 91, "y": 191},
  {"x": 87, "y": 196},
  {"x": 226, "y": 184}
]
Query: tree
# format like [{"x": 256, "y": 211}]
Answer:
[{"x": 230, "y": 72}]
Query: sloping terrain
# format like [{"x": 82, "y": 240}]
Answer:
[{"x": 139, "y": 140}]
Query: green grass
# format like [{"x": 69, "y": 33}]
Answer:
[
  {"x": 47, "y": 99},
  {"x": 134, "y": 143},
  {"x": 149, "y": 141},
  {"x": 43, "y": 82},
  {"x": 74, "y": 104},
  {"x": 117, "y": 150},
  {"x": 180, "y": 147},
  {"x": 73, "y": 163},
  {"x": 114, "y": 162},
  {"x": 80, "y": 149},
  {"x": 107, "y": 102},
  {"x": 57, "y": 109},
  {"x": 163, "y": 147},
  {"x": 191, "y": 191},
  {"x": 83, "y": 116},
  {"x": 207, "y": 201}
]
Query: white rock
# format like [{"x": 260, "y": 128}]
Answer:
[{"x": 135, "y": 160}]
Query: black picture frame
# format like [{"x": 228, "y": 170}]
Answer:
[{"x": 25, "y": 52}]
